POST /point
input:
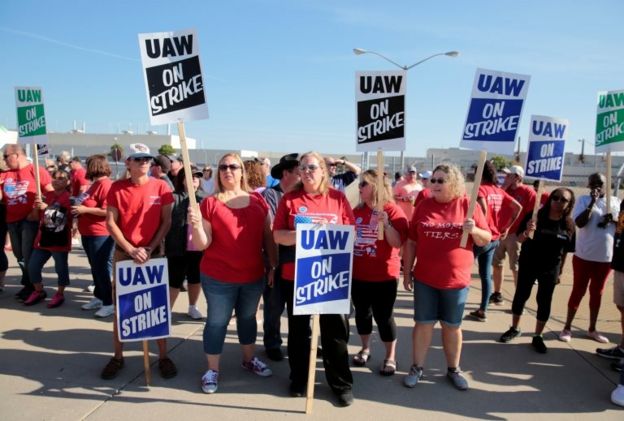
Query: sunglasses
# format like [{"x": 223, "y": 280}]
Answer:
[
  {"x": 7, "y": 155},
  {"x": 332, "y": 165},
  {"x": 363, "y": 184},
  {"x": 558, "y": 198},
  {"x": 309, "y": 167},
  {"x": 231, "y": 167},
  {"x": 437, "y": 181},
  {"x": 142, "y": 160}
]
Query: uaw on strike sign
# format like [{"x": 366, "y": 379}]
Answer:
[
  {"x": 31, "y": 121},
  {"x": 142, "y": 294},
  {"x": 494, "y": 111},
  {"x": 173, "y": 77},
  {"x": 323, "y": 268},
  {"x": 380, "y": 110}
]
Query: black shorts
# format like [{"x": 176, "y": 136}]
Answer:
[{"x": 181, "y": 267}]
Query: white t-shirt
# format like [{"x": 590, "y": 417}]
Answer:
[{"x": 592, "y": 242}]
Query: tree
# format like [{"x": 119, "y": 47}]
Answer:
[
  {"x": 116, "y": 152},
  {"x": 166, "y": 150},
  {"x": 500, "y": 162}
]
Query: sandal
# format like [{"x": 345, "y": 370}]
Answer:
[
  {"x": 388, "y": 368},
  {"x": 361, "y": 358}
]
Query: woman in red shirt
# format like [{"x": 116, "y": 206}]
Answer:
[
  {"x": 96, "y": 241},
  {"x": 376, "y": 268},
  {"x": 313, "y": 201},
  {"x": 441, "y": 276},
  {"x": 232, "y": 230},
  {"x": 501, "y": 211},
  {"x": 53, "y": 240}
]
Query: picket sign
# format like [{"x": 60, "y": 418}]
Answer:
[
  {"x": 475, "y": 194},
  {"x": 608, "y": 182},
  {"x": 312, "y": 364},
  {"x": 380, "y": 188},
  {"x": 536, "y": 206},
  {"x": 36, "y": 164},
  {"x": 186, "y": 162}
]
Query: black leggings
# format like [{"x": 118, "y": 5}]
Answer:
[
  {"x": 545, "y": 288},
  {"x": 375, "y": 299}
]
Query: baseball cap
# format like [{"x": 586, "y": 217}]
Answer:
[
  {"x": 139, "y": 150},
  {"x": 163, "y": 162},
  {"x": 515, "y": 169},
  {"x": 426, "y": 175},
  {"x": 412, "y": 168}
]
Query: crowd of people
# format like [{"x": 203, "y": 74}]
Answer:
[{"x": 238, "y": 247}]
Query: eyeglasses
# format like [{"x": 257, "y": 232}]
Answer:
[
  {"x": 557, "y": 198},
  {"x": 363, "y": 184},
  {"x": 231, "y": 167},
  {"x": 142, "y": 159},
  {"x": 437, "y": 180},
  {"x": 309, "y": 167}
]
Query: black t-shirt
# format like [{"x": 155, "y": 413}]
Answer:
[
  {"x": 341, "y": 181},
  {"x": 617, "y": 262},
  {"x": 550, "y": 241}
]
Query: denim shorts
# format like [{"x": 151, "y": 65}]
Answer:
[{"x": 432, "y": 304}]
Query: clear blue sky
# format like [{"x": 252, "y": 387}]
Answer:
[{"x": 279, "y": 74}]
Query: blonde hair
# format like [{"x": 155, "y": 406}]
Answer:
[
  {"x": 243, "y": 182},
  {"x": 455, "y": 178},
  {"x": 324, "y": 186},
  {"x": 370, "y": 176}
]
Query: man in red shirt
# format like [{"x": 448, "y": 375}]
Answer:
[
  {"x": 18, "y": 193},
  {"x": 138, "y": 217},
  {"x": 525, "y": 195},
  {"x": 79, "y": 182}
]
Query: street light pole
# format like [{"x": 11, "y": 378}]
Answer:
[{"x": 360, "y": 51}]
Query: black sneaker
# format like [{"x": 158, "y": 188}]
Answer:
[
  {"x": 345, "y": 398},
  {"x": 275, "y": 354},
  {"x": 24, "y": 293},
  {"x": 496, "y": 298},
  {"x": 614, "y": 353},
  {"x": 297, "y": 390},
  {"x": 511, "y": 334},
  {"x": 617, "y": 366},
  {"x": 539, "y": 345}
]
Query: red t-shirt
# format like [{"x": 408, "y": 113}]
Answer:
[
  {"x": 422, "y": 195},
  {"x": 373, "y": 259},
  {"x": 330, "y": 208},
  {"x": 19, "y": 190},
  {"x": 78, "y": 179},
  {"x": 55, "y": 223},
  {"x": 437, "y": 230},
  {"x": 498, "y": 201},
  {"x": 526, "y": 196},
  {"x": 139, "y": 208},
  {"x": 95, "y": 197},
  {"x": 235, "y": 253}
]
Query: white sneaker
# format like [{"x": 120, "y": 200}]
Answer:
[
  {"x": 617, "y": 396},
  {"x": 105, "y": 311},
  {"x": 91, "y": 288},
  {"x": 94, "y": 304},
  {"x": 565, "y": 335},
  {"x": 194, "y": 313},
  {"x": 210, "y": 381}
]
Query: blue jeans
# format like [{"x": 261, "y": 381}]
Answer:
[
  {"x": 274, "y": 305},
  {"x": 222, "y": 298},
  {"x": 99, "y": 251},
  {"x": 39, "y": 258},
  {"x": 22, "y": 234},
  {"x": 484, "y": 256}
]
